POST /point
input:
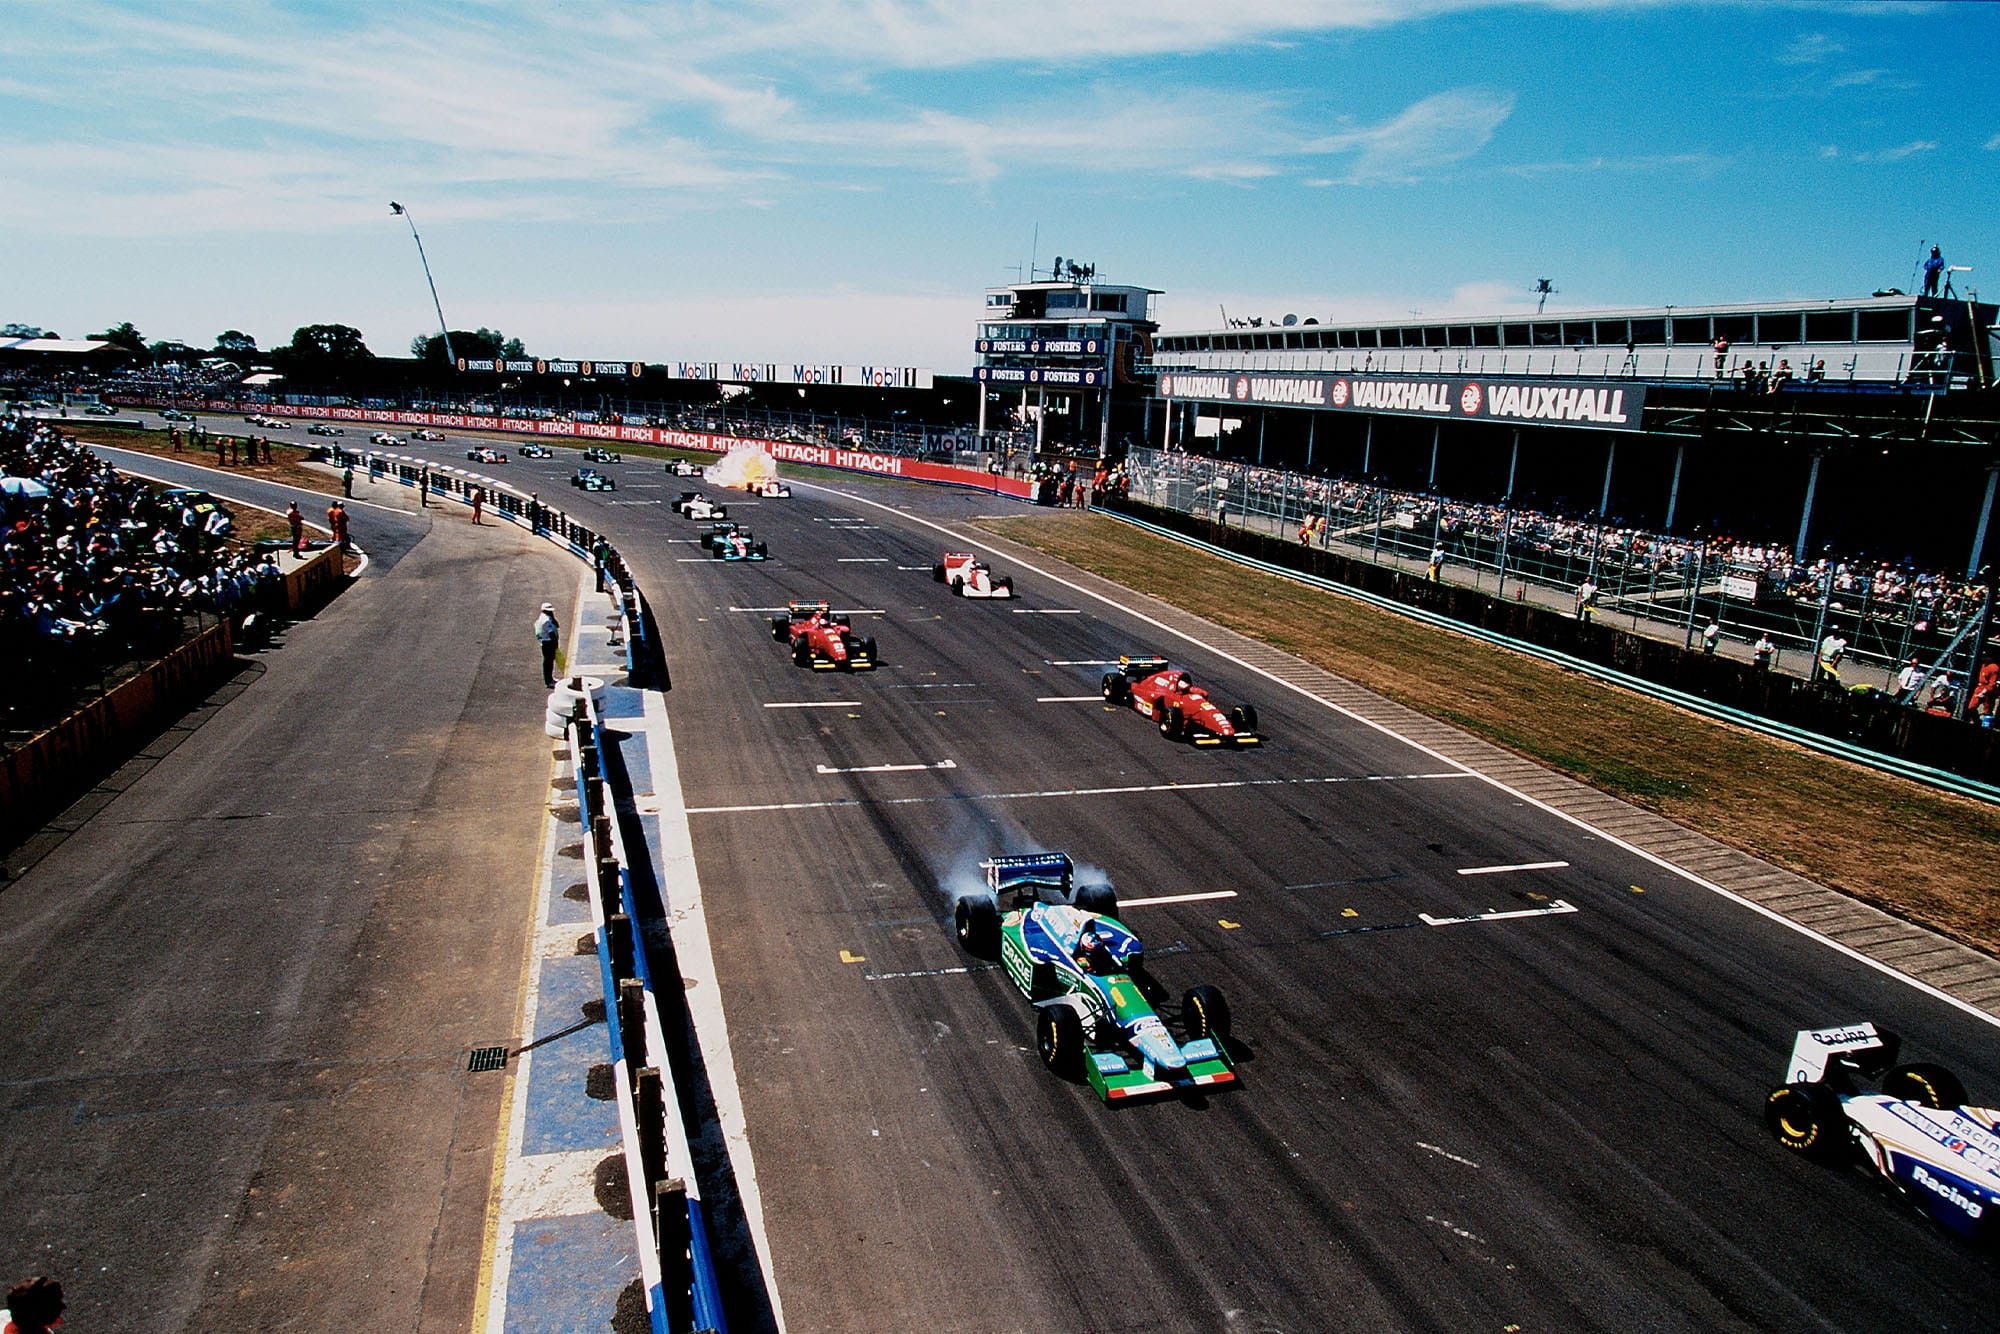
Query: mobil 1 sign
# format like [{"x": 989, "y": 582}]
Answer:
[{"x": 1590, "y": 403}]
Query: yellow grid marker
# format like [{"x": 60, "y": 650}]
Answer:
[
  {"x": 1637, "y": 890},
  {"x": 1539, "y": 898},
  {"x": 1349, "y": 912},
  {"x": 1226, "y": 924},
  {"x": 847, "y": 957}
]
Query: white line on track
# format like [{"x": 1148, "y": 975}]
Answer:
[
  {"x": 1157, "y": 900},
  {"x": 913, "y": 567},
  {"x": 1068, "y": 792},
  {"x": 1079, "y": 662},
  {"x": 1521, "y": 866},
  {"x": 1577, "y": 822},
  {"x": 1444, "y": 1153},
  {"x": 1555, "y": 909},
  {"x": 816, "y": 704},
  {"x": 1048, "y": 611},
  {"x": 861, "y": 560},
  {"x": 1067, "y": 699},
  {"x": 844, "y": 611},
  {"x": 888, "y": 768}
]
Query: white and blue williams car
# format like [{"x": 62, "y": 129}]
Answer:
[{"x": 1918, "y": 1133}]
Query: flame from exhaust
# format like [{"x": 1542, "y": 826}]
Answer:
[{"x": 745, "y": 467}]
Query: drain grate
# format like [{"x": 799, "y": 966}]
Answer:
[{"x": 486, "y": 1058}]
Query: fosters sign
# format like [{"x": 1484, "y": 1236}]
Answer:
[{"x": 1540, "y": 402}]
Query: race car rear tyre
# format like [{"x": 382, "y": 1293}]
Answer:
[
  {"x": 1059, "y": 1039},
  {"x": 1116, "y": 688},
  {"x": 976, "y": 918},
  {"x": 1244, "y": 716},
  {"x": 1808, "y": 1120},
  {"x": 1100, "y": 899},
  {"x": 1170, "y": 724},
  {"x": 715, "y": 550},
  {"x": 1205, "y": 1013},
  {"x": 958, "y": 588},
  {"x": 780, "y": 626},
  {"x": 761, "y": 550},
  {"x": 802, "y": 654},
  {"x": 1931, "y": 1085},
  {"x": 937, "y": 573}
]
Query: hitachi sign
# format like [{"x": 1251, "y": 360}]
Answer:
[{"x": 1553, "y": 403}]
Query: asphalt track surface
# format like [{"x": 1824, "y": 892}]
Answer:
[
  {"x": 1546, "y": 1122},
  {"x": 238, "y": 997}
]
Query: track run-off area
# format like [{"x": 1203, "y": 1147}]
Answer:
[{"x": 1499, "y": 1069}]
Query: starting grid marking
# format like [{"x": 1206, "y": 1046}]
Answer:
[
  {"x": 1160, "y": 899},
  {"x": 1056, "y": 793},
  {"x": 1523, "y": 866},
  {"x": 817, "y": 704},
  {"x": 883, "y": 769},
  {"x": 1555, "y": 909},
  {"x": 1068, "y": 699},
  {"x": 1048, "y": 611},
  {"x": 844, "y": 611}
]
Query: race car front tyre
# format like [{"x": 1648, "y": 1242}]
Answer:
[
  {"x": 1931, "y": 1085},
  {"x": 780, "y": 627},
  {"x": 976, "y": 918},
  {"x": 1808, "y": 1120},
  {"x": 958, "y": 588},
  {"x": 1170, "y": 724},
  {"x": 802, "y": 654},
  {"x": 1205, "y": 1013},
  {"x": 1100, "y": 899},
  {"x": 715, "y": 550},
  {"x": 1117, "y": 689},
  {"x": 868, "y": 648},
  {"x": 761, "y": 551},
  {"x": 1059, "y": 1039},
  {"x": 1244, "y": 716},
  {"x": 1005, "y": 583}
]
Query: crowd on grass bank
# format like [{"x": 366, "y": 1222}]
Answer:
[
  {"x": 94, "y": 564},
  {"x": 1929, "y": 600}
]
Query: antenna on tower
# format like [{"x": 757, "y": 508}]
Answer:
[{"x": 1544, "y": 289}]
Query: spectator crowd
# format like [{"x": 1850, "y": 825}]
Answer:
[{"x": 94, "y": 565}]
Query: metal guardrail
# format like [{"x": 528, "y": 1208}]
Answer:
[
  {"x": 1815, "y": 741},
  {"x": 676, "y": 1260}
]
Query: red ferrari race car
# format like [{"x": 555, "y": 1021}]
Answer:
[
  {"x": 822, "y": 638},
  {"x": 970, "y": 577},
  {"x": 1169, "y": 696}
]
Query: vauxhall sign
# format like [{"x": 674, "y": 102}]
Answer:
[{"x": 1540, "y": 402}]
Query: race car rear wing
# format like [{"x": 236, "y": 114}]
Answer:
[
  {"x": 1818, "y": 1052},
  {"x": 1028, "y": 871},
  {"x": 1144, "y": 662},
  {"x": 803, "y": 607}
]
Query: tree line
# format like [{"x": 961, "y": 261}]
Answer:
[{"x": 312, "y": 346}]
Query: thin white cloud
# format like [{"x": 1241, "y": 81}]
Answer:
[
  {"x": 1993, "y": 144},
  {"x": 1698, "y": 163},
  {"x": 1899, "y": 152},
  {"x": 1810, "y": 49},
  {"x": 1425, "y": 136}
]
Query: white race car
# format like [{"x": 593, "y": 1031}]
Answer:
[
  {"x": 695, "y": 505},
  {"x": 484, "y": 454},
  {"x": 682, "y": 468},
  {"x": 970, "y": 577},
  {"x": 383, "y": 438},
  {"x": 320, "y": 428},
  {"x": 426, "y": 434},
  {"x": 773, "y": 490},
  {"x": 1917, "y": 1133}
]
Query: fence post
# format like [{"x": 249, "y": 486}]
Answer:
[
  {"x": 618, "y": 944},
  {"x": 632, "y": 1020},
  {"x": 670, "y": 1230},
  {"x": 650, "y": 1111}
]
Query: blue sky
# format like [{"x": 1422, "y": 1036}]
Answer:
[{"x": 823, "y": 181}]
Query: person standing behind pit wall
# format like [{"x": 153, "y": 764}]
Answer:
[
  {"x": 1586, "y": 600},
  {"x": 336, "y": 519},
  {"x": 547, "y": 632},
  {"x": 297, "y": 523},
  {"x": 1436, "y": 570},
  {"x": 1711, "y": 635},
  {"x": 424, "y": 487},
  {"x": 1831, "y": 650},
  {"x": 600, "y": 557},
  {"x": 1762, "y": 652},
  {"x": 347, "y": 480},
  {"x": 478, "y": 502}
]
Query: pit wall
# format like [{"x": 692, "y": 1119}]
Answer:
[{"x": 784, "y": 451}]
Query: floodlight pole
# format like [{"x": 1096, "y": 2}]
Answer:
[{"x": 450, "y": 358}]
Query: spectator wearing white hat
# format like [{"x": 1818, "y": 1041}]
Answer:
[{"x": 547, "y": 632}]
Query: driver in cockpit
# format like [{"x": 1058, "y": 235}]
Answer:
[{"x": 1093, "y": 954}]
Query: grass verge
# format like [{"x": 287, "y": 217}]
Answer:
[
  {"x": 1926, "y": 856},
  {"x": 287, "y": 460}
]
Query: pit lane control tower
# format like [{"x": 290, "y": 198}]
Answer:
[{"x": 1069, "y": 343}]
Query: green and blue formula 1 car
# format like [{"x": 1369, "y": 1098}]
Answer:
[{"x": 1084, "y": 972}]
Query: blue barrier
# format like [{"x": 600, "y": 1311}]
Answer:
[
  {"x": 1815, "y": 741},
  {"x": 675, "y": 1255}
]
